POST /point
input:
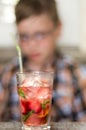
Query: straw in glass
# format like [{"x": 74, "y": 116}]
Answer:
[
  {"x": 19, "y": 54},
  {"x": 20, "y": 57}
]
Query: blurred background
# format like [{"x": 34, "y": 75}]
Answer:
[{"x": 72, "y": 42}]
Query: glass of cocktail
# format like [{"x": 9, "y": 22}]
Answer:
[{"x": 35, "y": 95}]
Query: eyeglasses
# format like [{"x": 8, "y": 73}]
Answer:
[{"x": 38, "y": 36}]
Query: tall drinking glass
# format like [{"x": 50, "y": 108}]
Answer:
[{"x": 35, "y": 95}]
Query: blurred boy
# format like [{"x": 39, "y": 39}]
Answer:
[{"x": 38, "y": 28}]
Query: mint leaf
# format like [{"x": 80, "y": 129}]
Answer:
[
  {"x": 45, "y": 103},
  {"x": 43, "y": 106},
  {"x": 28, "y": 115},
  {"x": 21, "y": 93}
]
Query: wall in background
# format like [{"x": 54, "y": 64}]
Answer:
[
  {"x": 6, "y": 32},
  {"x": 83, "y": 26},
  {"x": 69, "y": 11}
]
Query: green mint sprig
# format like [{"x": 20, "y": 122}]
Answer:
[
  {"x": 45, "y": 103},
  {"x": 25, "y": 117},
  {"x": 21, "y": 93}
]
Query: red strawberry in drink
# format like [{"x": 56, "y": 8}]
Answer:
[
  {"x": 23, "y": 105},
  {"x": 34, "y": 120},
  {"x": 34, "y": 105}
]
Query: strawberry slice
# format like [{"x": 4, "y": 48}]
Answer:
[
  {"x": 34, "y": 120},
  {"x": 34, "y": 105},
  {"x": 23, "y": 106}
]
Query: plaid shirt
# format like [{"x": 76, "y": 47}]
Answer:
[{"x": 69, "y": 98}]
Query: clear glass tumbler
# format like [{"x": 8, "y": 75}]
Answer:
[{"x": 35, "y": 96}]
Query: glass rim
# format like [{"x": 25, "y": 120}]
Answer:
[{"x": 35, "y": 72}]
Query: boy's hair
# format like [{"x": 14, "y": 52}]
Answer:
[{"x": 27, "y": 8}]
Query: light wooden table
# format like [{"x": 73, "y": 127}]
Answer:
[{"x": 54, "y": 126}]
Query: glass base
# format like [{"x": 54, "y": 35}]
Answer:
[{"x": 44, "y": 127}]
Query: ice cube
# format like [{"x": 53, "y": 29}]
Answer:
[
  {"x": 44, "y": 93},
  {"x": 34, "y": 82}
]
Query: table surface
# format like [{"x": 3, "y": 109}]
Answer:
[{"x": 54, "y": 126}]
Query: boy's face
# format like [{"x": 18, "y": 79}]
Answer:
[{"x": 37, "y": 37}]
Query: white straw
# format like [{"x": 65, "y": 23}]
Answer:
[
  {"x": 20, "y": 58},
  {"x": 19, "y": 54}
]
